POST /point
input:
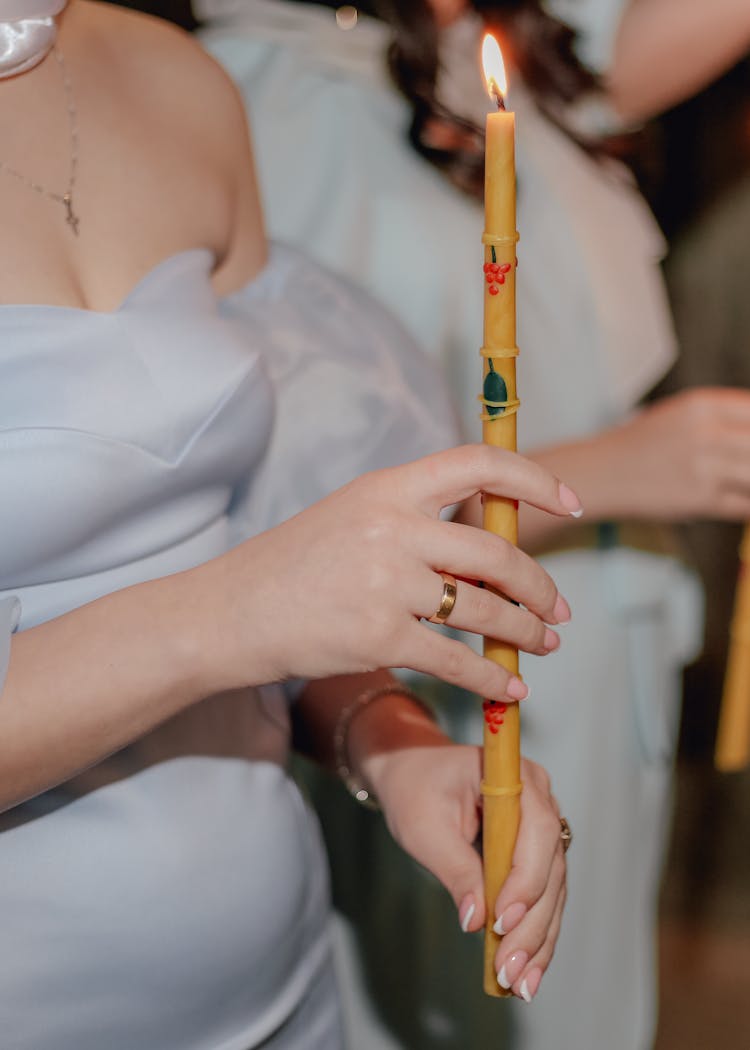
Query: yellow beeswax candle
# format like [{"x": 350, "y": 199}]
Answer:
[
  {"x": 502, "y": 757},
  {"x": 733, "y": 740}
]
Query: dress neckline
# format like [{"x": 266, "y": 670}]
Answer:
[{"x": 150, "y": 274}]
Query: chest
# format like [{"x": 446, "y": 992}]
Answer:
[{"x": 94, "y": 192}]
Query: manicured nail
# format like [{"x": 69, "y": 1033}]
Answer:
[
  {"x": 570, "y": 501},
  {"x": 466, "y": 912},
  {"x": 551, "y": 641},
  {"x": 561, "y": 611},
  {"x": 530, "y": 984},
  {"x": 511, "y": 969},
  {"x": 517, "y": 690},
  {"x": 510, "y": 919}
]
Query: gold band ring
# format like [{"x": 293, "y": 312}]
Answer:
[
  {"x": 566, "y": 835},
  {"x": 447, "y": 601}
]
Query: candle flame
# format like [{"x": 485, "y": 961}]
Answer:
[{"x": 494, "y": 69}]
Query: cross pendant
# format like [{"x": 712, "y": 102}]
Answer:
[{"x": 71, "y": 218}]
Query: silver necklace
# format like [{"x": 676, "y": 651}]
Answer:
[{"x": 66, "y": 198}]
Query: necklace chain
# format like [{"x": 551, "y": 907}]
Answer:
[{"x": 66, "y": 198}]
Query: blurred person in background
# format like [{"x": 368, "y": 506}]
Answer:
[{"x": 343, "y": 173}]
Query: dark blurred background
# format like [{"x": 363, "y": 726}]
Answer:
[{"x": 698, "y": 182}]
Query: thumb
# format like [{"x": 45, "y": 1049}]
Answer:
[{"x": 458, "y": 867}]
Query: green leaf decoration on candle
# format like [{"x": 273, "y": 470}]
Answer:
[{"x": 494, "y": 389}]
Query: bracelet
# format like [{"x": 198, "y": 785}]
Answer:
[{"x": 341, "y": 737}]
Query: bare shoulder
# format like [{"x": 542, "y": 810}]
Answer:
[
  {"x": 166, "y": 70},
  {"x": 171, "y": 103}
]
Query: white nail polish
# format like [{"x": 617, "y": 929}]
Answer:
[
  {"x": 502, "y": 979},
  {"x": 525, "y": 994},
  {"x": 468, "y": 917},
  {"x": 498, "y": 927}
]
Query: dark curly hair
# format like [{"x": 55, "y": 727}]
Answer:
[{"x": 542, "y": 51}]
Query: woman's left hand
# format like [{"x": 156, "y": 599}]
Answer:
[{"x": 431, "y": 801}]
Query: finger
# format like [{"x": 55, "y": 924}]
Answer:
[
  {"x": 478, "y": 555},
  {"x": 531, "y": 932},
  {"x": 480, "y": 611},
  {"x": 458, "y": 866},
  {"x": 543, "y": 956},
  {"x": 528, "y": 985},
  {"x": 730, "y": 506},
  {"x": 536, "y": 847},
  {"x": 523, "y": 944},
  {"x": 434, "y": 653},
  {"x": 732, "y": 406},
  {"x": 452, "y": 476}
]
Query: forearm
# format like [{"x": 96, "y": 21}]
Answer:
[
  {"x": 604, "y": 471},
  {"x": 667, "y": 50},
  {"x": 87, "y": 683}
]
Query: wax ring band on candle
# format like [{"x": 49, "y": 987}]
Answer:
[
  {"x": 496, "y": 242},
  {"x": 503, "y": 352},
  {"x": 509, "y": 408},
  {"x": 500, "y": 792}
]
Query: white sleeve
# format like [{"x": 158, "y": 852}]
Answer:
[
  {"x": 353, "y": 392},
  {"x": 10, "y": 615},
  {"x": 596, "y": 22}
]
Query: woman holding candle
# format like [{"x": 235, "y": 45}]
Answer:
[
  {"x": 595, "y": 336},
  {"x": 161, "y": 884}
]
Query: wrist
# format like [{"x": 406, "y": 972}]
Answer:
[
  {"x": 377, "y": 725},
  {"x": 226, "y": 647}
]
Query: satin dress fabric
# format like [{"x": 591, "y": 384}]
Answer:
[{"x": 175, "y": 896}]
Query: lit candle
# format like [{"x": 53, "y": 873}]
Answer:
[{"x": 501, "y": 787}]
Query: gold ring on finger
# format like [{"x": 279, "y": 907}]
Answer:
[
  {"x": 447, "y": 601},
  {"x": 566, "y": 835}
]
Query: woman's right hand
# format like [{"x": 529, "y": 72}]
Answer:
[
  {"x": 686, "y": 456},
  {"x": 679, "y": 459},
  {"x": 343, "y": 586}
]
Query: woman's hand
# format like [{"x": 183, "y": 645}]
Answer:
[
  {"x": 684, "y": 457},
  {"x": 687, "y": 456},
  {"x": 430, "y": 798},
  {"x": 341, "y": 588}
]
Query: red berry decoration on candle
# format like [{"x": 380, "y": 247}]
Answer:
[
  {"x": 494, "y": 274},
  {"x": 493, "y": 714}
]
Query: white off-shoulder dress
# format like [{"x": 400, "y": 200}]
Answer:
[{"x": 175, "y": 896}]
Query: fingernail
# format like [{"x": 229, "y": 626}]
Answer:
[
  {"x": 510, "y": 919},
  {"x": 530, "y": 984},
  {"x": 570, "y": 501},
  {"x": 561, "y": 611},
  {"x": 551, "y": 641},
  {"x": 511, "y": 969},
  {"x": 466, "y": 912},
  {"x": 517, "y": 690}
]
